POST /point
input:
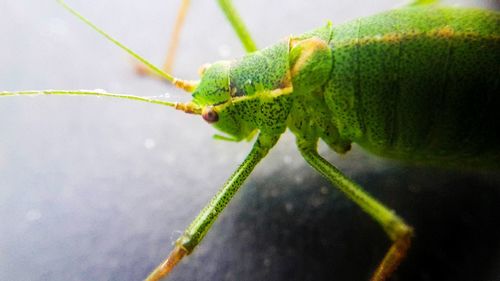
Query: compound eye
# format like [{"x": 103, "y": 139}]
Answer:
[{"x": 209, "y": 114}]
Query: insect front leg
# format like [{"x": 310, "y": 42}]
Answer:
[
  {"x": 397, "y": 230},
  {"x": 197, "y": 230}
]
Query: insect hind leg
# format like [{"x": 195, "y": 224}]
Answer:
[
  {"x": 232, "y": 16},
  {"x": 142, "y": 69},
  {"x": 398, "y": 231}
]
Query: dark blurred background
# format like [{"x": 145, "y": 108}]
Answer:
[{"x": 98, "y": 189}]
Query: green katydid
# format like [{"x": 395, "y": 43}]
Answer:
[{"x": 293, "y": 81}]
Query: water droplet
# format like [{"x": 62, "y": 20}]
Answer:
[
  {"x": 287, "y": 159},
  {"x": 33, "y": 215},
  {"x": 298, "y": 179},
  {"x": 100, "y": 91},
  {"x": 149, "y": 143},
  {"x": 324, "y": 190},
  {"x": 162, "y": 96},
  {"x": 316, "y": 201},
  {"x": 224, "y": 51},
  {"x": 174, "y": 235}
]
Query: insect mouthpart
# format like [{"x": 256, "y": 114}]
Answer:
[{"x": 209, "y": 114}]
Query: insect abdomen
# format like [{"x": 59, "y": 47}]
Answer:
[{"x": 420, "y": 84}]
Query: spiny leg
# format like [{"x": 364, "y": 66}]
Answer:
[
  {"x": 199, "y": 227},
  {"x": 397, "y": 230}
]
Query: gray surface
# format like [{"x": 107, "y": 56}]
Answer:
[{"x": 96, "y": 189}]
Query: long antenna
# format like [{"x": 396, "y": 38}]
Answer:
[
  {"x": 188, "y": 86},
  {"x": 186, "y": 107}
]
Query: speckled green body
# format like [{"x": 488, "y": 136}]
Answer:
[{"x": 418, "y": 84}]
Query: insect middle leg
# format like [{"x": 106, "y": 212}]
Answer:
[
  {"x": 238, "y": 25},
  {"x": 197, "y": 230},
  {"x": 398, "y": 231}
]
